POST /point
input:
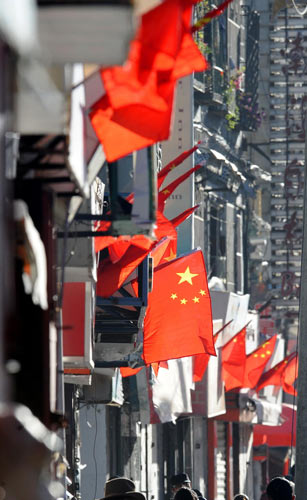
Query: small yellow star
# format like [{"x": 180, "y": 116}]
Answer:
[
  {"x": 235, "y": 340},
  {"x": 268, "y": 352},
  {"x": 166, "y": 191},
  {"x": 174, "y": 296},
  {"x": 262, "y": 355},
  {"x": 202, "y": 292},
  {"x": 196, "y": 299},
  {"x": 171, "y": 256},
  {"x": 183, "y": 301},
  {"x": 255, "y": 355},
  {"x": 186, "y": 276},
  {"x": 173, "y": 166}
]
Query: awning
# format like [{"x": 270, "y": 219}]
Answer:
[
  {"x": 218, "y": 156},
  {"x": 279, "y": 435}
]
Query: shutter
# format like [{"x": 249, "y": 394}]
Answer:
[
  {"x": 230, "y": 247},
  {"x": 221, "y": 461}
]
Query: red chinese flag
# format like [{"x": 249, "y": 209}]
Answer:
[
  {"x": 137, "y": 106},
  {"x": 233, "y": 361},
  {"x": 178, "y": 319},
  {"x": 118, "y": 249},
  {"x": 256, "y": 361},
  {"x": 168, "y": 190},
  {"x": 173, "y": 164},
  {"x": 112, "y": 276},
  {"x": 290, "y": 375},
  {"x": 274, "y": 375},
  {"x": 164, "y": 251},
  {"x": 183, "y": 216},
  {"x": 137, "y": 125}
]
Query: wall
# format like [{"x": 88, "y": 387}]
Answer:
[{"x": 93, "y": 430}]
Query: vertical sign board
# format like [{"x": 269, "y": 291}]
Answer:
[
  {"x": 181, "y": 139},
  {"x": 76, "y": 318}
]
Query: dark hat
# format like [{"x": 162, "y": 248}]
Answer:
[
  {"x": 181, "y": 478},
  {"x": 279, "y": 488},
  {"x": 121, "y": 487}
]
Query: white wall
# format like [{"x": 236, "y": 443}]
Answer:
[{"x": 93, "y": 451}]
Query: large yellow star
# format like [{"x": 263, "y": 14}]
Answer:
[
  {"x": 171, "y": 256},
  {"x": 186, "y": 276}
]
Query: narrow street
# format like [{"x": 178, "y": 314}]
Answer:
[{"x": 153, "y": 257}]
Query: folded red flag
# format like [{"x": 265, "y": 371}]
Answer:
[
  {"x": 110, "y": 277},
  {"x": 137, "y": 125},
  {"x": 256, "y": 361},
  {"x": 200, "y": 363},
  {"x": 173, "y": 164},
  {"x": 168, "y": 190},
  {"x": 183, "y": 216},
  {"x": 274, "y": 376},
  {"x": 178, "y": 319},
  {"x": 163, "y": 250},
  {"x": 201, "y": 360},
  {"x": 290, "y": 375},
  {"x": 137, "y": 106},
  {"x": 233, "y": 361}
]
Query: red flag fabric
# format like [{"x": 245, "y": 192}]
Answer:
[
  {"x": 110, "y": 277},
  {"x": 137, "y": 106},
  {"x": 136, "y": 125},
  {"x": 168, "y": 190},
  {"x": 173, "y": 164},
  {"x": 178, "y": 319},
  {"x": 290, "y": 375},
  {"x": 274, "y": 375},
  {"x": 233, "y": 361},
  {"x": 256, "y": 361},
  {"x": 201, "y": 360},
  {"x": 126, "y": 371},
  {"x": 164, "y": 227},
  {"x": 183, "y": 216},
  {"x": 164, "y": 251},
  {"x": 119, "y": 247},
  {"x": 210, "y": 15}
]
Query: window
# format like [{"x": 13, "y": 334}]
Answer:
[
  {"x": 217, "y": 240},
  {"x": 239, "y": 254}
]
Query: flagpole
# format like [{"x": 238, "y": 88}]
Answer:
[{"x": 301, "y": 432}]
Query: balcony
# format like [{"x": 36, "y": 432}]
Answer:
[{"x": 209, "y": 86}]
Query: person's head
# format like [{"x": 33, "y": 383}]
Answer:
[
  {"x": 240, "y": 496},
  {"x": 185, "y": 493},
  {"x": 121, "y": 487},
  {"x": 279, "y": 488},
  {"x": 180, "y": 480}
]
